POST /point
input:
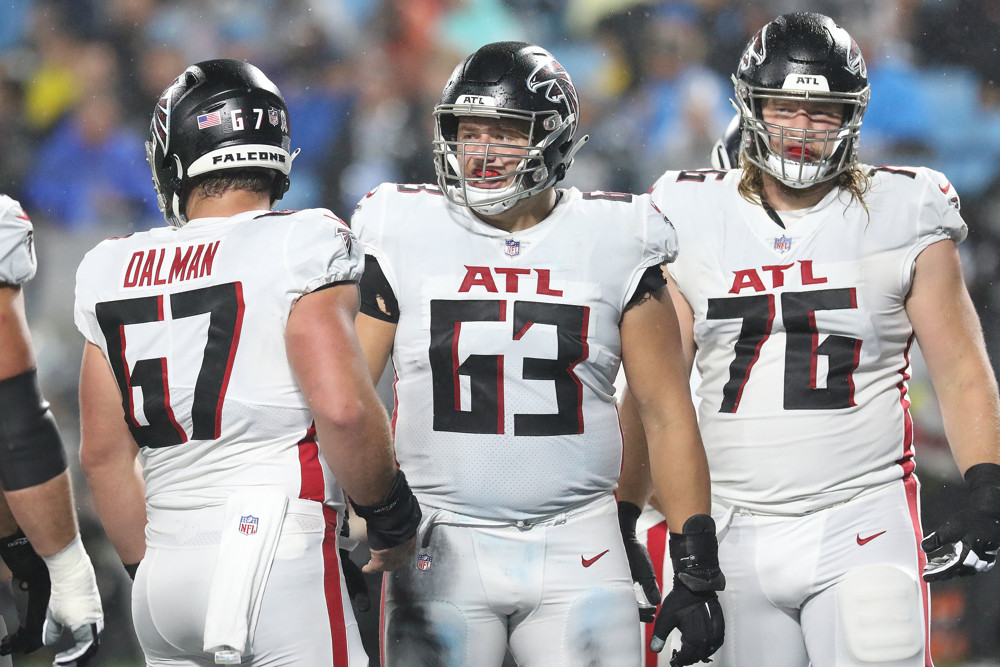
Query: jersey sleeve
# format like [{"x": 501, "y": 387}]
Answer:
[
  {"x": 84, "y": 315},
  {"x": 368, "y": 219},
  {"x": 659, "y": 247},
  {"x": 17, "y": 250},
  {"x": 378, "y": 298},
  {"x": 938, "y": 218},
  {"x": 663, "y": 236},
  {"x": 661, "y": 199},
  {"x": 940, "y": 213},
  {"x": 321, "y": 250}
]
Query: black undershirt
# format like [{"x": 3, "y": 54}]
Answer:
[{"x": 771, "y": 213}]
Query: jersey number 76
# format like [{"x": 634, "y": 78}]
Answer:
[{"x": 802, "y": 347}]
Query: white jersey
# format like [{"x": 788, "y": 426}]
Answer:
[
  {"x": 192, "y": 321},
  {"x": 507, "y": 344},
  {"x": 17, "y": 250},
  {"x": 802, "y": 338}
]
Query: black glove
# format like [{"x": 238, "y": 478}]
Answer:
[
  {"x": 693, "y": 605},
  {"x": 357, "y": 587},
  {"x": 647, "y": 593},
  {"x": 31, "y": 576},
  {"x": 967, "y": 543}
]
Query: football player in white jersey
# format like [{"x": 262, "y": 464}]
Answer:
[
  {"x": 803, "y": 281},
  {"x": 37, "y": 491},
  {"x": 225, "y": 400},
  {"x": 507, "y": 306},
  {"x": 650, "y": 528}
]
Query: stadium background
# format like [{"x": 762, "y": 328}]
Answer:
[{"x": 79, "y": 79}]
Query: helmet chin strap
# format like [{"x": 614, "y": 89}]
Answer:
[
  {"x": 178, "y": 219},
  {"x": 509, "y": 196}
]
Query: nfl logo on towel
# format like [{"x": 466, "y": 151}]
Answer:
[
  {"x": 424, "y": 562},
  {"x": 248, "y": 524},
  {"x": 512, "y": 247},
  {"x": 782, "y": 244}
]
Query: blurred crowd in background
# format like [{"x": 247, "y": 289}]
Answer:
[{"x": 79, "y": 80}]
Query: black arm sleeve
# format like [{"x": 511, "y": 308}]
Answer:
[
  {"x": 377, "y": 298},
  {"x": 651, "y": 281}
]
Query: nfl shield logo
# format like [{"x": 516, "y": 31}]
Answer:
[
  {"x": 782, "y": 244},
  {"x": 272, "y": 117},
  {"x": 512, "y": 247},
  {"x": 424, "y": 562},
  {"x": 248, "y": 524}
]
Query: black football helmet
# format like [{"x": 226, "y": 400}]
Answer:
[
  {"x": 801, "y": 56},
  {"x": 726, "y": 151},
  {"x": 218, "y": 114},
  {"x": 513, "y": 80}
]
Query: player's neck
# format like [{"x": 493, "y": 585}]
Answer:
[
  {"x": 783, "y": 198},
  {"x": 225, "y": 205},
  {"x": 525, "y": 213}
]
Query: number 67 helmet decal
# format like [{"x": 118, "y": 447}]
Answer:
[{"x": 219, "y": 114}]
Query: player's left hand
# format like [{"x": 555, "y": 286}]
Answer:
[
  {"x": 86, "y": 639},
  {"x": 968, "y": 542},
  {"x": 32, "y": 577},
  {"x": 647, "y": 593},
  {"x": 384, "y": 560},
  {"x": 392, "y": 527},
  {"x": 693, "y": 604}
]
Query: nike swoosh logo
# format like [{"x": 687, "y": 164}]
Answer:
[
  {"x": 862, "y": 541},
  {"x": 945, "y": 189},
  {"x": 587, "y": 562}
]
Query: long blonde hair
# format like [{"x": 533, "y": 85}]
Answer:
[{"x": 855, "y": 180}]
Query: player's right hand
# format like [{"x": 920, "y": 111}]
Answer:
[
  {"x": 968, "y": 542},
  {"x": 647, "y": 593},
  {"x": 692, "y": 606},
  {"x": 32, "y": 577}
]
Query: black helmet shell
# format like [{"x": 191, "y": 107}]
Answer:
[
  {"x": 219, "y": 114},
  {"x": 510, "y": 80}
]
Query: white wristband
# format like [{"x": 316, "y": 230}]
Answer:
[{"x": 75, "y": 599}]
